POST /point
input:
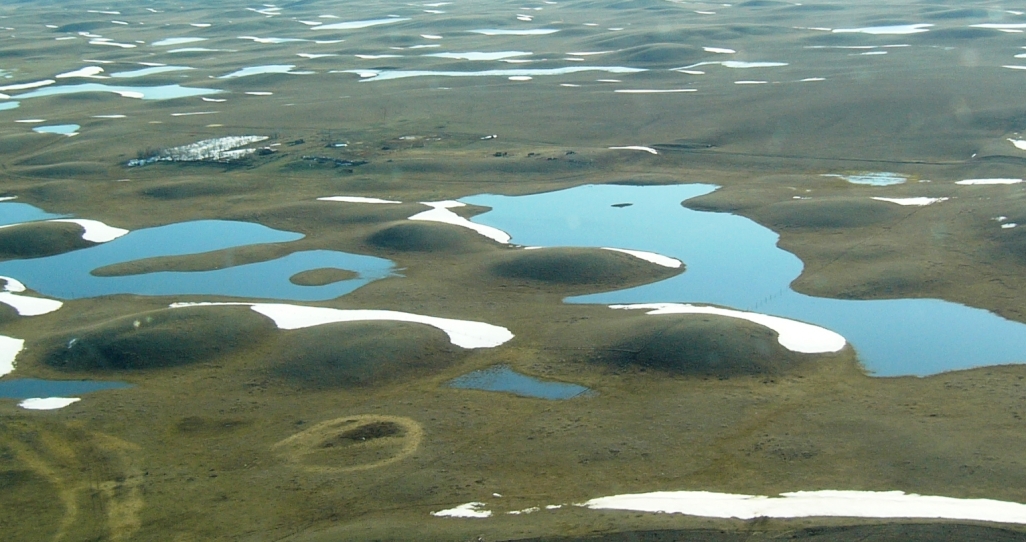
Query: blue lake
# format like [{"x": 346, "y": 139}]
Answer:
[
  {"x": 16, "y": 213},
  {"x": 68, "y": 275},
  {"x": 503, "y": 379},
  {"x": 734, "y": 262},
  {"x": 27, "y": 388}
]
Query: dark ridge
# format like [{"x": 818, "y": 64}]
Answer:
[
  {"x": 190, "y": 189},
  {"x": 660, "y": 55},
  {"x": 68, "y": 170},
  {"x": 1012, "y": 242},
  {"x": 360, "y": 354},
  {"x": 818, "y": 7},
  {"x": 836, "y": 213},
  {"x": 967, "y": 13},
  {"x": 164, "y": 338},
  {"x": 82, "y": 27},
  {"x": 948, "y": 34},
  {"x": 762, "y": 4},
  {"x": 199, "y": 426},
  {"x": 36, "y": 240}
]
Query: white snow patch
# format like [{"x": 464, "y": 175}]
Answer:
[
  {"x": 9, "y": 350},
  {"x": 719, "y": 50},
  {"x": 509, "y": 32},
  {"x": 176, "y": 41},
  {"x": 26, "y": 86},
  {"x": 218, "y": 149},
  {"x": 47, "y": 403},
  {"x": 920, "y": 202},
  {"x": 355, "y": 25},
  {"x": 29, "y": 306},
  {"x": 649, "y": 150},
  {"x": 1000, "y": 26},
  {"x": 1019, "y": 143},
  {"x": 88, "y": 71},
  {"x": 653, "y": 91},
  {"x": 888, "y": 30},
  {"x": 826, "y": 503},
  {"x": 474, "y": 55},
  {"x": 1008, "y": 225},
  {"x": 989, "y": 181},
  {"x": 356, "y": 199},
  {"x": 791, "y": 334},
  {"x": 469, "y": 510},
  {"x": 462, "y": 333},
  {"x": 95, "y": 231},
  {"x": 530, "y": 510},
  {"x": 658, "y": 259},
  {"x": 440, "y": 213}
]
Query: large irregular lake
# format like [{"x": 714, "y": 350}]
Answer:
[{"x": 735, "y": 262}]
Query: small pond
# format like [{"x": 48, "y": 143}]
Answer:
[
  {"x": 503, "y": 379},
  {"x": 734, "y": 262},
  {"x": 27, "y": 388}
]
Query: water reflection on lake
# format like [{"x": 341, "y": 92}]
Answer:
[{"x": 734, "y": 262}]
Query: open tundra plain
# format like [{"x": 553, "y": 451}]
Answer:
[{"x": 511, "y": 270}]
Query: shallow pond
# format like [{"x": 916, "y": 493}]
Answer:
[
  {"x": 503, "y": 379},
  {"x": 27, "y": 388},
  {"x": 734, "y": 262},
  {"x": 68, "y": 275}
]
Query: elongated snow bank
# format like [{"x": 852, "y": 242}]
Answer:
[
  {"x": 440, "y": 213},
  {"x": 988, "y": 181},
  {"x": 649, "y": 150},
  {"x": 916, "y": 202},
  {"x": 95, "y": 231},
  {"x": 9, "y": 350},
  {"x": 23, "y": 304},
  {"x": 48, "y": 403},
  {"x": 469, "y": 510},
  {"x": 356, "y": 199},
  {"x": 462, "y": 333},
  {"x": 827, "y": 503},
  {"x": 652, "y": 257},
  {"x": 791, "y": 334}
]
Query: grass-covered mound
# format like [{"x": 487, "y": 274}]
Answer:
[
  {"x": 578, "y": 267},
  {"x": 40, "y": 239},
  {"x": 425, "y": 237},
  {"x": 163, "y": 338},
  {"x": 322, "y": 276},
  {"x": 830, "y": 213},
  {"x": 360, "y": 353},
  {"x": 698, "y": 344}
]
